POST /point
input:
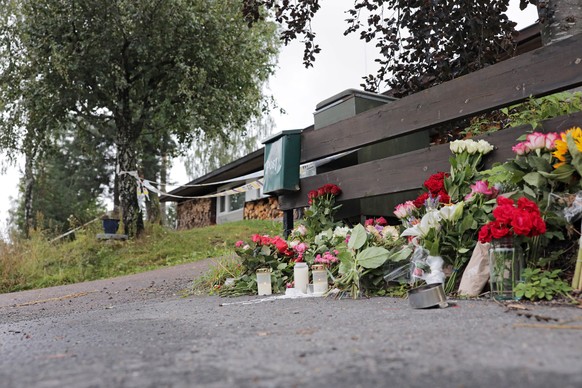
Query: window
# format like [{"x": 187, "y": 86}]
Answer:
[{"x": 236, "y": 201}]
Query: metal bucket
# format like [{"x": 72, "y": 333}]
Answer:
[{"x": 430, "y": 295}]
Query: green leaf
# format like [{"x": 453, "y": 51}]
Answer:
[
  {"x": 358, "y": 237},
  {"x": 400, "y": 255},
  {"x": 372, "y": 257},
  {"x": 535, "y": 179},
  {"x": 282, "y": 266}
]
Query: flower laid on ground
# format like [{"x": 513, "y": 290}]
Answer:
[
  {"x": 513, "y": 219},
  {"x": 465, "y": 162},
  {"x": 322, "y": 208},
  {"x": 436, "y": 190},
  {"x": 536, "y": 142},
  {"x": 568, "y": 153},
  {"x": 471, "y": 147},
  {"x": 362, "y": 258},
  {"x": 327, "y": 258},
  {"x": 483, "y": 188}
]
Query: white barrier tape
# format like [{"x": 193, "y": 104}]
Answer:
[{"x": 144, "y": 184}]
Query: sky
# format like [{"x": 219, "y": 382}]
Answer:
[{"x": 340, "y": 65}]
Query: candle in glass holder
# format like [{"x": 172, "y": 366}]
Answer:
[
  {"x": 319, "y": 278},
  {"x": 301, "y": 276},
  {"x": 264, "y": 281}
]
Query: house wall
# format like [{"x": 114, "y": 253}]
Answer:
[{"x": 196, "y": 213}]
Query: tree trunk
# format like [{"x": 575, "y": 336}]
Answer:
[
  {"x": 131, "y": 213},
  {"x": 28, "y": 192},
  {"x": 560, "y": 19},
  {"x": 163, "y": 179}
]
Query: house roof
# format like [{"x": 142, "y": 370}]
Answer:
[{"x": 248, "y": 164}]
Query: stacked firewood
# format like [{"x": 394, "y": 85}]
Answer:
[
  {"x": 196, "y": 213},
  {"x": 263, "y": 209}
]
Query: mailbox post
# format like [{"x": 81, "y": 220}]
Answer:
[{"x": 281, "y": 168}]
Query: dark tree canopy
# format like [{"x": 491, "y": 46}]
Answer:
[{"x": 420, "y": 43}]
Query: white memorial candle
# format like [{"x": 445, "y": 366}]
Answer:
[
  {"x": 264, "y": 281},
  {"x": 319, "y": 278},
  {"x": 301, "y": 277}
]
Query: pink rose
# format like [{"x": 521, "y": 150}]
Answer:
[
  {"x": 239, "y": 243},
  {"x": 536, "y": 140},
  {"x": 381, "y": 221},
  {"x": 551, "y": 140},
  {"x": 520, "y": 149},
  {"x": 300, "y": 248}
]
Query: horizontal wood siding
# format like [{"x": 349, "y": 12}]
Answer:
[
  {"x": 544, "y": 71},
  {"x": 408, "y": 171}
]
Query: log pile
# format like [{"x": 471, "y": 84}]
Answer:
[
  {"x": 263, "y": 209},
  {"x": 196, "y": 213}
]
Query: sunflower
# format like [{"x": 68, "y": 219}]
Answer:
[{"x": 561, "y": 152}]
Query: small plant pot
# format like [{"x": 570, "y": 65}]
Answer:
[{"x": 110, "y": 226}]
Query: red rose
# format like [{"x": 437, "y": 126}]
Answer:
[
  {"x": 521, "y": 222},
  {"x": 265, "y": 240},
  {"x": 419, "y": 202},
  {"x": 528, "y": 205},
  {"x": 335, "y": 190},
  {"x": 381, "y": 221},
  {"x": 499, "y": 230},
  {"x": 539, "y": 226},
  {"x": 444, "y": 197},
  {"x": 435, "y": 183},
  {"x": 320, "y": 191},
  {"x": 504, "y": 213},
  {"x": 369, "y": 222},
  {"x": 256, "y": 238},
  {"x": 312, "y": 194},
  {"x": 501, "y": 200},
  {"x": 485, "y": 233}
]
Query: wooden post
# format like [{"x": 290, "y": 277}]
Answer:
[{"x": 287, "y": 222}]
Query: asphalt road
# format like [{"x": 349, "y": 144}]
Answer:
[{"x": 139, "y": 331}]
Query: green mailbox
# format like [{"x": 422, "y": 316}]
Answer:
[{"x": 281, "y": 169}]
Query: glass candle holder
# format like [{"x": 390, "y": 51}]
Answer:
[
  {"x": 505, "y": 267},
  {"x": 301, "y": 276},
  {"x": 319, "y": 275},
  {"x": 264, "y": 281}
]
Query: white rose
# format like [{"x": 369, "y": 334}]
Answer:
[
  {"x": 472, "y": 147},
  {"x": 457, "y": 146},
  {"x": 484, "y": 147}
]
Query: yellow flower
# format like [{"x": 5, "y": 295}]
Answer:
[{"x": 561, "y": 152}]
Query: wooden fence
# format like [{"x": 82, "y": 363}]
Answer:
[{"x": 548, "y": 70}]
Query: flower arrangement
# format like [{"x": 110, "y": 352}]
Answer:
[
  {"x": 513, "y": 219},
  {"x": 536, "y": 142},
  {"x": 435, "y": 185},
  {"x": 465, "y": 162},
  {"x": 362, "y": 255},
  {"x": 322, "y": 208},
  {"x": 568, "y": 152}
]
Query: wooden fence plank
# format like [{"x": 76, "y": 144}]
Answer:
[
  {"x": 408, "y": 171},
  {"x": 544, "y": 71}
]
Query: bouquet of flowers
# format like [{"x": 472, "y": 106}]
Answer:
[
  {"x": 511, "y": 220},
  {"x": 322, "y": 208},
  {"x": 568, "y": 152}
]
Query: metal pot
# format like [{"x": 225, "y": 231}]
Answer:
[{"x": 426, "y": 296}]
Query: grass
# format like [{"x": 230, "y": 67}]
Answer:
[{"x": 36, "y": 263}]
